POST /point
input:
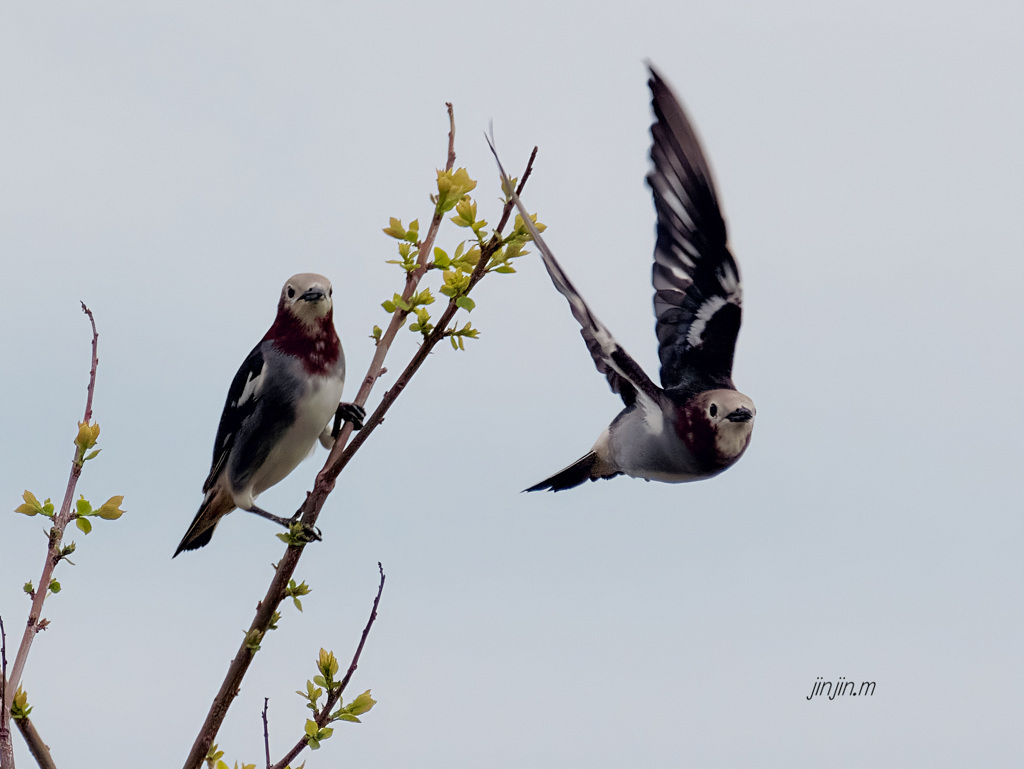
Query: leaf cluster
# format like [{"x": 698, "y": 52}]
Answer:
[
  {"x": 326, "y": 680},
  {"x": 457, "y": 265}
]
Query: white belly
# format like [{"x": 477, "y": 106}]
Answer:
[{"x": 313, "y": 413}]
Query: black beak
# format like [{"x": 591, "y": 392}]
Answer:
[
  {"x": 741, "y": 414},
  {"x": 313, "y": 295}
]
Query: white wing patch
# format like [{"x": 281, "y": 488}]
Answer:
[
  {"x": 730, "y": 283},
  {"x": 677, "y": 272},
  {"x": 252, "y": 386},
  {"x": 695, "y": 336},
  {"x": 653, "y": 418}
]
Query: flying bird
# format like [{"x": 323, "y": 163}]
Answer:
[
  {"x": 280, "y": 402},
  {"x": 696, "y": 424}
]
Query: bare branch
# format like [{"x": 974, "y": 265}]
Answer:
[
  {"x": 60, "y": 522},
  {"x": 323, "y": 717},
  {"x": 95, "y": 364},
  {"x": 53, "y": 555},
  {"x": 266, "y": 730},
  {"x": 451, "y": 137},
  {"x": 6, "y": 745},
  {"x": 40, "y": 750}
]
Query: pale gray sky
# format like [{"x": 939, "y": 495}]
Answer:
[{"x": 173, "y": 164}]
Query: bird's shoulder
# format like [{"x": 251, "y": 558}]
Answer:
[{"x": 246, "y": 390}]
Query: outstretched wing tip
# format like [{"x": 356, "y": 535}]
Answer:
[{"x": 697, "y": 293}]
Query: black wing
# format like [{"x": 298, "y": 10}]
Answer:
[
  {"x": 624, "y": 374},
  {"x": 697, "y": 292},
  {"x": 242, "y": 398}
]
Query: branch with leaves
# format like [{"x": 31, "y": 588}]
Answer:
[
  {"x": 15, "y": 700},
  {"x": 459, "y": 269}
]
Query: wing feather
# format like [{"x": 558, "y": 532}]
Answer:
[
  {"x": 697, "y": 292},
  {"x": 243, "y": 396},
  {"x": 624, "y": 374}
]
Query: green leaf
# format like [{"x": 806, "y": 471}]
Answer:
[
  {"x": 111, "y": 509},
  {"x": 294, "y": 590},
  {"x": 465, "y": 303},
  {"x": 396, "y": 230},
  {"x": 252, "y": 640},
  {"x": 84, "y": 524},
  {"x": 31, "y": 506},
  {"x": 452, "y": 186},
  {"x": 87, "y": 436},
  {"x": 54, "y": 586},
  {"x": 311, "y": 727},
  {"x": 27, "y": 587},
  {"x": 83, "y": 507},
  {"x": 361, "y": 704},
  {"x": 20, "y": 707},
  {"x": 327, "y": 663}
]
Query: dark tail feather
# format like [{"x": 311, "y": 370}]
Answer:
[
  {"x": 579, "y": 471},
  {"x": 193, "y": 541},
  {"x": 200, "y": 532}
]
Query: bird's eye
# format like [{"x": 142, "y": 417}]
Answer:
[
  {"x": 291, "y": 292},
  {"x": 713, "y": 411}
]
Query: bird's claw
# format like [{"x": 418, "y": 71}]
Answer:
[
  {"x": 352, "y": 413},
  {"x": 300, "y": 534},
  {"x": 308, "y": 533}
]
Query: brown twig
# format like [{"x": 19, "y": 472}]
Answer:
[
  {"x": 322, "y": 718},
  {"x": 266, "y": 730},
  {"x": 35, "y": 623},
  {"x": 60, "y": 522},
  {"x": 340, "y": 455},
  {"x": 6, "y": 745},
  {"x": 40, "y": 750}
]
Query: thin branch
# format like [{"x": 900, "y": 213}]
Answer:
[
  {"x": 266, "y": 730},
  {"x": 3, "y": 660},
  {"x": 451, "y": 137},
  {"x": 10, "y": 684},
  {"x": 60, "y": 522},
  {"x": 95, "y": 363},
  {"x": 428, "y": 345},
  {"x": 6, "y": 744},
  {"x": 339, "y": 456},
  {"x": 323, "y": 717},
  {"x": 40, "y": 750}
]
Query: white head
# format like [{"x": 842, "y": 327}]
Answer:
[
  {"x": 307, "y": 297},
  {"x": 730, "y": 415}
]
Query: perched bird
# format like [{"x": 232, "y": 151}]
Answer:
[
  {"x": 281, "y": 400},
  {"x": 696, "y": 424}
]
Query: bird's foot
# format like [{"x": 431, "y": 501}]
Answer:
[
  {"x": 298, "y": 532},
  {"x": 348, "y": 412}
]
